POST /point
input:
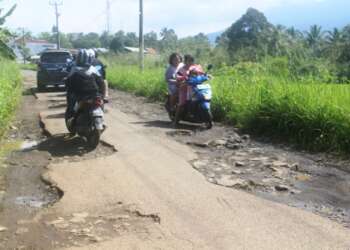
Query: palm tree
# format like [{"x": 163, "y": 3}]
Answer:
[
  {"x": 7, "y": 14},
  {"x": 294, "y": 33},
  {"x": 334, "y": 37},
  {"x": 314, "y": 36},
  {"x": 314, "y": 39},
  {"x": 334, "y": 43}
]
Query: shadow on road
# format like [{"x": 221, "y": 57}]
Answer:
[
  {"x": 58, "y": 106},
  {"x": 51, "y": 90},
  {"x": 168, "y": 124},
  {"x": 56, "y": 116},
  {"x": 64, "y": 145}
]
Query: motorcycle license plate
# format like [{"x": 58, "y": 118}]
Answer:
[{"x": 97, "y": 112}]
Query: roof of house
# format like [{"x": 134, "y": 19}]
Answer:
[
  {"x": 35, "y": 41},
  {"x": 133, "y": 49}
]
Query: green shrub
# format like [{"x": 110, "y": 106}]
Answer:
[{"x": 10, "y": 90}]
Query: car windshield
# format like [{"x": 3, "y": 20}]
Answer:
[{"x": 55, "y": 57}]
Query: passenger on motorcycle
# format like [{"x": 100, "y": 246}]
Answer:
[
  {"x": 175, "y": 64},
  {"x": 102, "y": 69},
  {"x": 84, "y": 80},
  {"x": 185, "y": 90}
]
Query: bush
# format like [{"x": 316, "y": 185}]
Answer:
[{"x": 10, "y": 86}]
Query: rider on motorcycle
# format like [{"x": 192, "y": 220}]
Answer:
[
  {"x": 184, "y": 75},
  {"x": 84, "y": 80}
]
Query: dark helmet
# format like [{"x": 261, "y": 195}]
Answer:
[{"x": 82, "y": 58}]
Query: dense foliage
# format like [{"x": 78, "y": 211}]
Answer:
[
  {"x": 10, "y": 80},
  {"x": 10, "y": 85}
]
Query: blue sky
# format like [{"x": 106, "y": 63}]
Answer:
[{"x": 187, "y": 17}]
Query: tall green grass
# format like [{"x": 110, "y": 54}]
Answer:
[
  {"x": 315, "y": 116},
  {"x": 10, "y": 92}
]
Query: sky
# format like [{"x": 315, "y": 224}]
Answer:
[{"x": 187, "y": 17}]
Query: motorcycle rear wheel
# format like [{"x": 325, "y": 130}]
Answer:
[
  {"x": 69, "y": 125},
  {"x": 94, "y": 138}
]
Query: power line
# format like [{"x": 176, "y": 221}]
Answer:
[
  {"x": 57, "y": 3},
  {"x": 100, "y": 15}
]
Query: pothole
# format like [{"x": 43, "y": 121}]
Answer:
[
  {"x": 274, "y": 174},
  {"x": 78, "y": 229},
  {"x": 73, "y": 149}
]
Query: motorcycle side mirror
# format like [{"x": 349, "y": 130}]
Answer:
[{"x": 210, "y": 66}]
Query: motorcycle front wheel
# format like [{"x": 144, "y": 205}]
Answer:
[{"x": 208, "y": 117}]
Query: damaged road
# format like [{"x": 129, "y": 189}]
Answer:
[{"x": 155, "y": 192}]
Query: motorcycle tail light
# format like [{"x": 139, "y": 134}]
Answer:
[{"x": 98, "y": 102}]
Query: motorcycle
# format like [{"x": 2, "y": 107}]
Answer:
[
  {"x": 198, "y": 109},
  {"x": 87, "y": 119}
]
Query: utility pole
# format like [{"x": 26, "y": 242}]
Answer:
[
  {"x": 23, "y": 45},
  {"x": 57, "y": 3},
  {"x": 108, "y": 13},
  {"x": 141, "y": 39}
]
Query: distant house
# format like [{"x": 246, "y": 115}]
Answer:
[
  {"x": 35, "y": 46},
  {"x": 149, "y": 51}
]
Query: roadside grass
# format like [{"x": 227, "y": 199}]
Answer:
[
  {"x": 315, "y": 116},
  {"x": 11, "y": 87},
  {"x": 29, "y": 66}
]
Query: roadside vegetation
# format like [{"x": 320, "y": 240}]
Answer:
[
  {"x": 11, "y": 86},
  {"x": 28, "y": 66},
  {"x": 10, "y": 79}
]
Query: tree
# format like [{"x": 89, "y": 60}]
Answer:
[
  {"x": 198, "y": 46},
  {"x": 151, "y": 40},
  {"x": 80, "y": 40},
  {"x": 50, "y": 37},
  {"x": 7, "y": 14},
  {"x": 314, "y": 39},
  {"x": 105, "y": 39},
  {"x": 5, "y": 34},
  {"x": 168, "y": 40},
  {"x": 293, "y": 33},
  {"x": 117, "y": 43},
  {"x": 334, "y": 42},
  {"x": 131, "y": 40},
  {"x": 248, "y": 38}
]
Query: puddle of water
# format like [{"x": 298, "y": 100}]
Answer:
[
  {"x": 32, "y": 201},
  {"x": 27, "y": 145}
]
